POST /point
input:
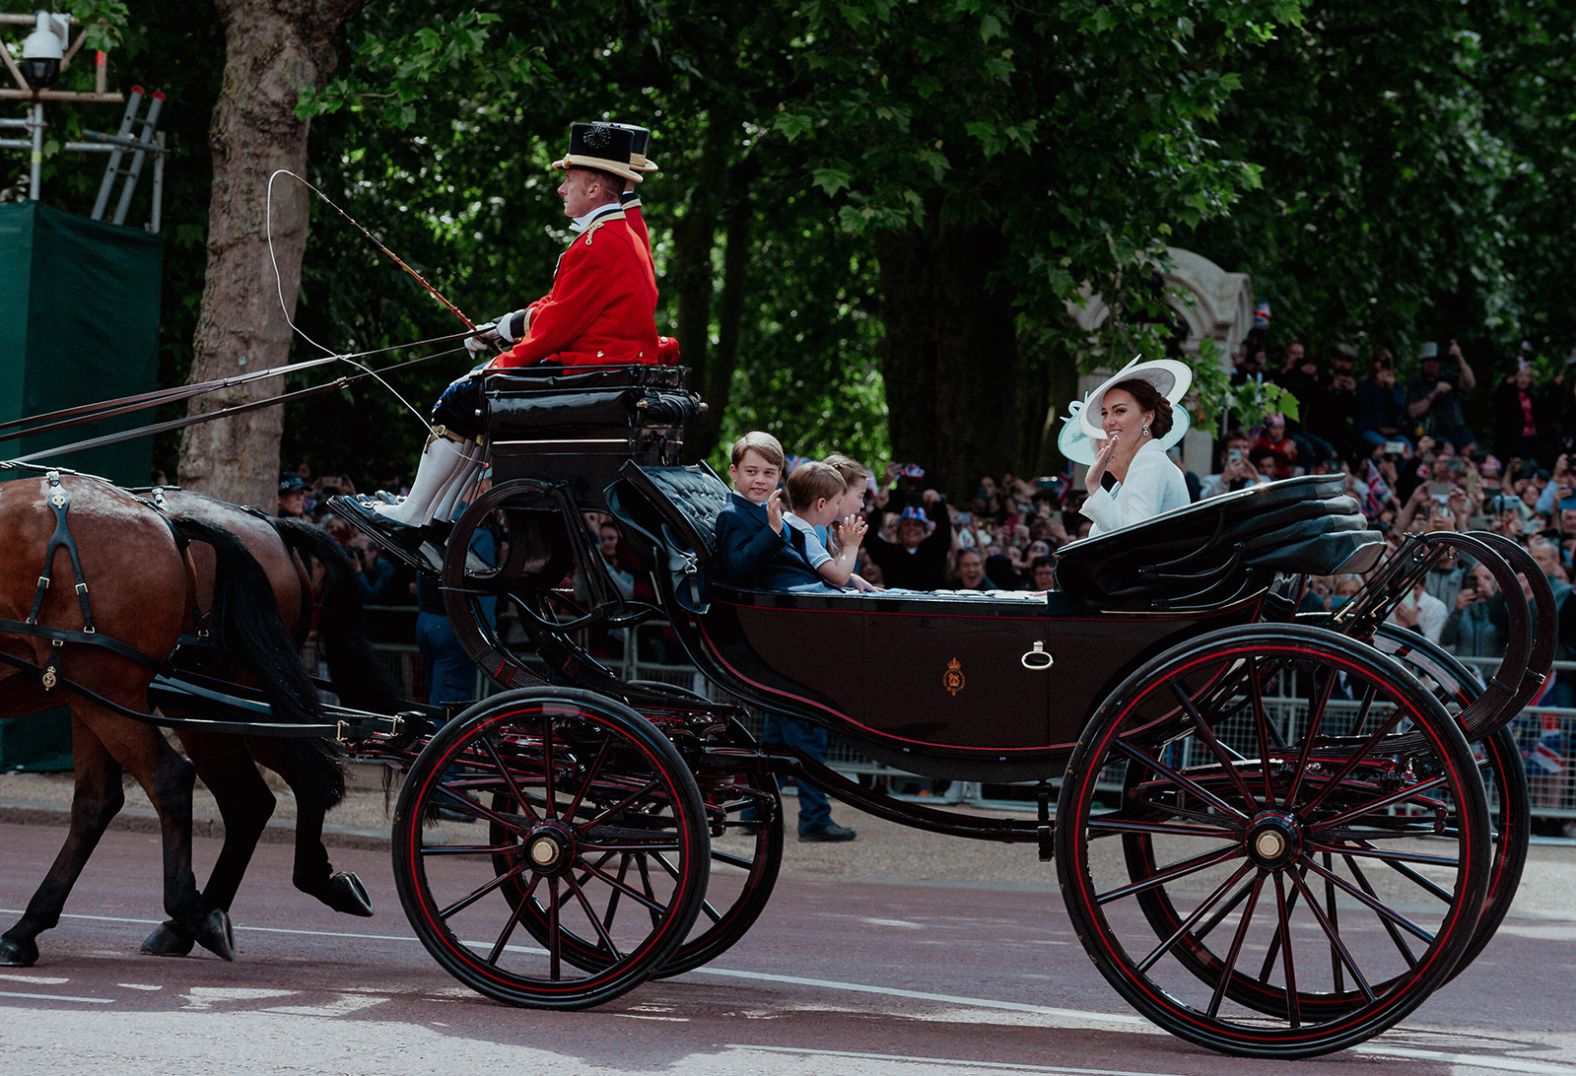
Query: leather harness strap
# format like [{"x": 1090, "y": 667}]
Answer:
[{"x": 60, "y": 503}]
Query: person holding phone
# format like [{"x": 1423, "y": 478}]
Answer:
[{"x": 1433, "y": 399}]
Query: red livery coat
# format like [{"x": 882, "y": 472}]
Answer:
[{"x": 602, "y": 308}]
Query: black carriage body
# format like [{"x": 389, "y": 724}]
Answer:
[{"x": 967, "y": 687}]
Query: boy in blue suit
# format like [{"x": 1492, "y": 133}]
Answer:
[{"x": 755, "y": 548}]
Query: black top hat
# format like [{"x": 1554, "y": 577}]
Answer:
[
  {"x": 603, "y": 147},
  {"x": 637, "y": 152}
]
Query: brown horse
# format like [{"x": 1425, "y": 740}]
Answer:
[
  {"x": 135, "y": 578},
  {"x": 306, "y": 569}
]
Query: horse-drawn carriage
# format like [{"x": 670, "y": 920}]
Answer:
[{"x": 1274, "y": 836}]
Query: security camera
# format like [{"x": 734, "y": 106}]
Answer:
[{"x": 42, "y": 50}]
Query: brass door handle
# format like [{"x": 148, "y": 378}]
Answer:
[{"x": 1037, "y": 660}]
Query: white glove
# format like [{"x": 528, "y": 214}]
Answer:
[
  {"x": 512, "y": 327},
  {"x": 483, "y": 341}
]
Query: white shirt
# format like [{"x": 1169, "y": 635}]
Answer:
[
  {"x": 580, "y": 224},
  {"x": 1153, "y": 485}
]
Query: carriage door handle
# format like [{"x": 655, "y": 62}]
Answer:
[{"x": 1037, "y": 660}]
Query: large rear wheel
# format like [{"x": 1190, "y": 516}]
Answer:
[
  {"x": 579, "y": 795},
  {"x": 1313, "y": 832}
]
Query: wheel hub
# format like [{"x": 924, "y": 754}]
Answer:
[
  {"x": 1274, "y": 840},
  {"x": 549, "y": 847}
]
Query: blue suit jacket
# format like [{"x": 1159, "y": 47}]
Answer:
[{"x": 750, "y": 554}]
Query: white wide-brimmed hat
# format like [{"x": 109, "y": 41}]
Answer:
[
  {"x": 1080, "y": 448},
  {"x": 1170, "y": 378}
]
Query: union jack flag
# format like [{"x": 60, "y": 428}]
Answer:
[
  {"x": 1546, "y": 755},
  {"x": 1378, "y": 491}
]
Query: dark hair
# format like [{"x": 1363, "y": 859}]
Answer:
[{"x": 1149, "y": 399}]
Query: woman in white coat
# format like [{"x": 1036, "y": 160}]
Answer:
[{"x": 1135, "y": 412}]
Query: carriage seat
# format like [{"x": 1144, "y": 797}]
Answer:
[
  {"x": 1203, "y": 556},
  {"x": 578, "y": 424},
  {"x": 1205, "y": 553}
]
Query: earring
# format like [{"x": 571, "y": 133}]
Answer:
[{"x": 1145, "y": 430}]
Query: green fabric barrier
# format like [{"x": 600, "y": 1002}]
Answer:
[{"x": 79, "y": 323}]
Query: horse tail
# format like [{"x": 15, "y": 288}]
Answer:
[
  {"x": 360, "y": 680},
  {"x": 247, "y": 628}
]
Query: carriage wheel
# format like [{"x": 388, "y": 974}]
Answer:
[
  {"x": 1499, "y": 762},
  {"x": 745, "y": 817},
  {"x": 1505, "y": 782},
  {"x": 1339, "y": 869},
  {"x": 590, "y": 791}
]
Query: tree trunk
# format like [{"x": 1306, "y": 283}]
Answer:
[
  {"x": 273, "y": 48},
  {"x": 693, "y": 240},
  {"x": 949, "y": 355}
]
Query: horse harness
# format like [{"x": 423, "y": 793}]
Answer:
[{"x": 50, "y": 676}]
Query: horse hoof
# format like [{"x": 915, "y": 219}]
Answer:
[
  {"x": 347, "y": 894},
  {"x": 215, "y": 934},
  {"x": 17, "y": 954},
  {"x": 168, "y": 939}
]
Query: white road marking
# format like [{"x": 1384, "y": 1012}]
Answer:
[
  {"x": 944, "y": 1062},
  {"x": 1484, "y": 1061},
  {"x": 201, "y": 998},
  {"x": 36, "y": 980},
  {"x": 55, "y": 997},
  {"x": 901, "y": 924},
  {"x": 139, "y": 986},
  {"x": 1082, "y": 1017}
]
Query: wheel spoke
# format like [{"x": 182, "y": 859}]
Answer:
[
  {"x": 1337, "y": 946},
  {"x": 1276, "y": 941},
  {"x": 1207, "y": 734},
  {"x": 1110, "y": 824},
  {"x": 1236, "y": 944},
  {"x": 620, "y": 805},
  {"x": 1315, "y": 721},
  {"x": 1180, "y": 869},
  {"x": 1387, "y": 855},
  {"x": 1293, "y": 1005},
  {"x": 649, "y": 902},
  {"x": 651, "y": 894},
  {"x": 1380, "y": 804},
  {"x": 732, "y": 860},
  {"x": 1261, "y": 727},
  {"x": 1378, "y": 906},
  {"x": 514, "y": 921},
  {"x": 673, "y": 872},
  {"x": 1389, "y": 927},
  {"x": 555, "y": 936},
  {"x": 602, "y": 933},
  {"x": 1422, "y": 880},
  {"x": 468, "y": 849},
  {"x": 465, "y": 803},
  {"x": 1363, "y": 751},
  {"x": 508, "y": 780},
  {"x": 547, "y": 765},
  {"x": 590, "y": 777},
  {"x": 1192, "y": 786},
  {"x": 481, "y": 891},
  {"x": 1333, "y": 914},
  {"x": 1198, "y": 913}
]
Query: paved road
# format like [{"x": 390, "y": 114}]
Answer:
[{"x": 837, "y": 977}]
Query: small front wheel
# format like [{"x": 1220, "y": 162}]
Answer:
[
  {"x": 545, "y": 807},
  {"x": 1313, "y": 822}
]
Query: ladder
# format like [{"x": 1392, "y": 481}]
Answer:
[{"x": 123, "y": 144}]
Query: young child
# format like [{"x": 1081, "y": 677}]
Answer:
[
  {"x": 755, "y": 547},
  {"x": 815, "y": 496},
  {"x": 849, "y": 526}
]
